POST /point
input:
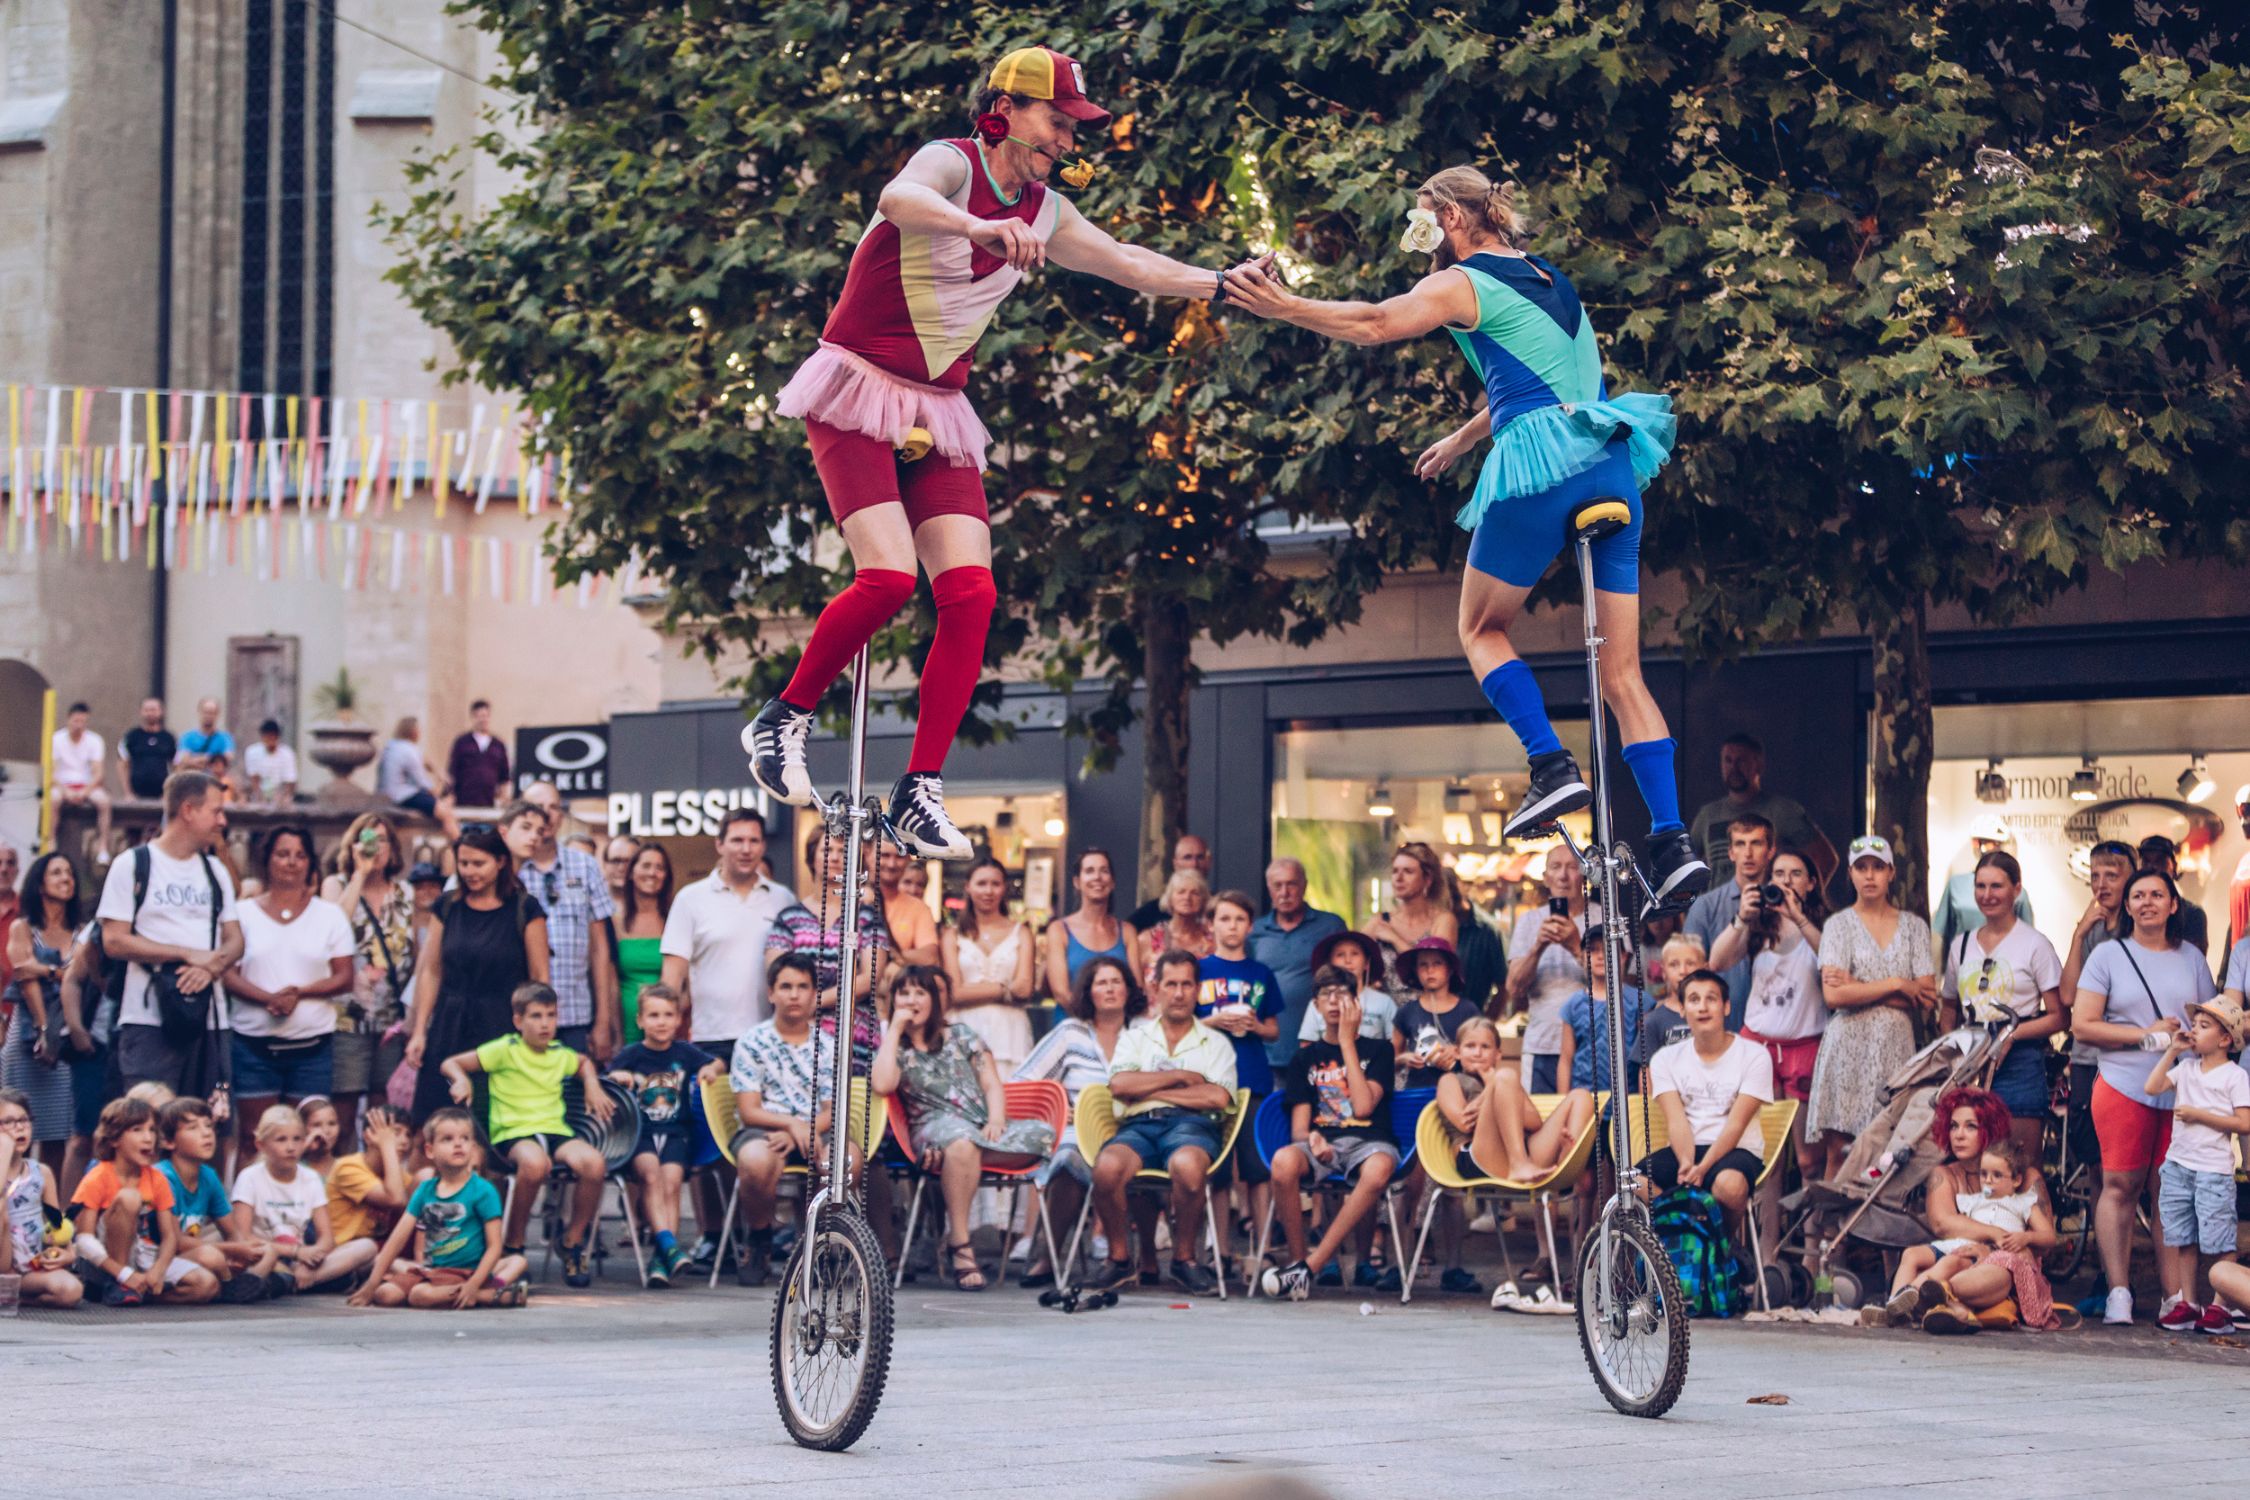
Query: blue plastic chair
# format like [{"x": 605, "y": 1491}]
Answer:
[{"x": 1269, "y": 1133}]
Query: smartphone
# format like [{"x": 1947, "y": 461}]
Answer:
[{"x": 1557, "y": 907}]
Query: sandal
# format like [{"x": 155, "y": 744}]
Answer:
[{"x": 968, "y": 1278}]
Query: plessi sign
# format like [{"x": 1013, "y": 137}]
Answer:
[
  {"x": 575, "y": 757},
  {"x": 681, "y": 814}
]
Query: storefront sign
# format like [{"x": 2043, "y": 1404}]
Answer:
[
  {"x": 575, "y": 757},
  {"x": 680, "y": 814}
]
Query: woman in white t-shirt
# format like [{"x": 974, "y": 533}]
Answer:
[
  {"x": 1709, "y": 1088},
  {"x": 1786, "y": 1012},
  {"x": 2133, "y": 995},
  {"x": 2003, "y": 969},
  {"x": 296, "y": 966}
]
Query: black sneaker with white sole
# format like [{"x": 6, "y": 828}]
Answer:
[
  {"x": 775, "y": 743},
  {"x": 1556, "y": 788},
  {"x": 1676, "y": 874},
  {"x": 1293, "y": 1281},
  {"x": 917, "y": 817}
]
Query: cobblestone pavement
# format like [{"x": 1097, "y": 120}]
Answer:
[{"x": 614, "y": 1391}]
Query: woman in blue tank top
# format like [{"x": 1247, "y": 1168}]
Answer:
[{"x": 1559, "y": 439}]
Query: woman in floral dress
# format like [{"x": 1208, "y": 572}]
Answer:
[
  {"x": 956, "y": 1110},
  {"x": 1877, "y": 970},
  {"x": 370, "y": 886}
]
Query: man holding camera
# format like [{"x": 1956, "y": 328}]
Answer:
[{"x": 1739, "y": 900}]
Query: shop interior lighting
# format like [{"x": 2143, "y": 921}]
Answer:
[
  {"x": 1379, "y": 803},
  {"x": 1460, "y": 797},
  {"x": 2195, "y": 782},
  {"x": 2086, "y": 782},
  {"x": 1991, "y": 785},
  {"x": 1054, "y": 828}
]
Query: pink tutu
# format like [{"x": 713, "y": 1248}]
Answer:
[{"x": 838, "y": 387}]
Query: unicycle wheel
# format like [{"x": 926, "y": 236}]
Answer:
[
  {"x": 1632, "y": 1316},
  {"x": 831, "y": 1332}
]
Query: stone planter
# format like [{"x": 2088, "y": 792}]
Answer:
[{"x": 341, "y": 747}]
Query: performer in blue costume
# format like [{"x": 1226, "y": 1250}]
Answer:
[{"x": 1558, "y": 440}]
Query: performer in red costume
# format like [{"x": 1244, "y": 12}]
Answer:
[{"x": 953, "y": 234}]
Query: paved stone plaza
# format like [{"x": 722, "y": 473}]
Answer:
[{"x": 618, "y": 1392}]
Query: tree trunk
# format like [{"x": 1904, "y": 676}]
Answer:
[
  {"x": 1166, "y": 635},
  {"x": 1903, "y": 741}
]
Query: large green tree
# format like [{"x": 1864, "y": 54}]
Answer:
[
  {"x": 690, "y": 183},
  {"x": 1942, "y": 327}
]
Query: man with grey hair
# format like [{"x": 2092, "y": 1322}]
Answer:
[{"x": 1283, "y": 940}]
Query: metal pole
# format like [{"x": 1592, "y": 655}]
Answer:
[
  {"x": 1605, "y": 868},
  {"x": 854, "y": 814}
]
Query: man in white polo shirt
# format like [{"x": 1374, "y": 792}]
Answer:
[{"x": 715, "y": 956}]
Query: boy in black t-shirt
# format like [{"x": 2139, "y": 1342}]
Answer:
[
  {"x": 666, "y": 1076},
  {"x": 1338, "y": 1090}
]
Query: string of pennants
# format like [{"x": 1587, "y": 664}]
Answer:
[{"x": 283, "y": 486}]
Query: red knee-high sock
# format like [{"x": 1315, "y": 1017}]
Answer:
[
  {"x": 848, "y": 623},
  {"x": 965, "y": 599}
]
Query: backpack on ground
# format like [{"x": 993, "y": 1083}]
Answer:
[{"x": 1693, "y": 1230}]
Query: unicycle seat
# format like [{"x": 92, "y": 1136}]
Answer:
[{"x": 1599, "y": 518}]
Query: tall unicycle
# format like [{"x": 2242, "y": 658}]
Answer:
[
  {"x": 831, "y": 1338},
  {"x": 1632, "y": 1317}
]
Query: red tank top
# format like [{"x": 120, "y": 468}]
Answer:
[{"x": 915, "y": 304}]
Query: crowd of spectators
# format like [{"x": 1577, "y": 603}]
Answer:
[{"x": 337, "y": 1078}]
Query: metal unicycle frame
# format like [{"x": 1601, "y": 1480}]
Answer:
[
  {"x": 1632, "y": 1316},
  {"x": 832, "y": 1321}
]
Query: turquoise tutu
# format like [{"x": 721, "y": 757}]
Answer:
[{"x": 1547, "y": 445}]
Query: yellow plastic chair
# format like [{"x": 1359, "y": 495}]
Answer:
[
  {"x": 1096, "y": 1126},
  {"x": 1774, "y": 1121},
  {"x": 1433, "y": 1151},
  {"x": 726, "y": 1122}
]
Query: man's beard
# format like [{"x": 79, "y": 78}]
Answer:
[{"x": 1443, "y": 257}]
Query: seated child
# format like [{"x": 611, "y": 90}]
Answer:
[
  {"x": 27, "y": 1248},
  {"x": 527, "y": 1119},
  {"x": 775, "y": 1074},
  {"x": 1585, "y": 1059},
  {"x": 128, "y": 1237},
  {"x": 367, "y": 1190},
  {"x": 289, "y": 1208},
  {"x": 2004, "y": 1201},
  {"x": 322, "y": 1126},
  {"x": 1337, "y": 1091},
  {"x": 1709, "y": 1088},
  {"x": 214, "y": 1234},
  {"x": 452, "y": 1224},
  {"x": 666, "y": 1075}
]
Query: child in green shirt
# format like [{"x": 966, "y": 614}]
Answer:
[{"x": 526, "y": 1121}]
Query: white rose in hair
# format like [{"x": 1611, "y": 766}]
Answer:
[{"x": 1422, "y": 232}]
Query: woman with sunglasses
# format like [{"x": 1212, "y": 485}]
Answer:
[{"x": 2004, "y": 970}]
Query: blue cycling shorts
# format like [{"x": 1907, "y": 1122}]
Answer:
[{"x": 1519, "y": 536}]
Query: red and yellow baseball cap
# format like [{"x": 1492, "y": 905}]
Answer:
[{"x": 1044, "y": 73}]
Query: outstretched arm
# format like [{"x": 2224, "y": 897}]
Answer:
[
  {"x": 1079, "y": 244},
  {"x": 1436, "y": 300}
]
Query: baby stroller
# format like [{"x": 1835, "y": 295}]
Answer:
[{"x": 1867, "y": 1198}]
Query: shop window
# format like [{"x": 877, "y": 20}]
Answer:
[
  {"x": 1022, "y": 828},
  {"x": 1345, "y": 799},
  {"x": 2047, "y": 781}
]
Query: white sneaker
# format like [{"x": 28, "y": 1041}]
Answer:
[
  {"x": 1506, "y": 1297},
  {"x": 1483, "y": 1223},
  {"x": 2119, "y": 1307},
  {"x": 1101, "y": 1247}
]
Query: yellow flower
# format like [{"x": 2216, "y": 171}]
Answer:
[
  {"x": 1422, "y": 232},
  {"x": 1078, "y": 173}
]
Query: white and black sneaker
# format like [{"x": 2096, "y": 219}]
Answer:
[
  {"x": 917, "y": 818},
  {"x": 1556, "y": 789},
  {"x": 1293, "y": 1281},
  {"x": 1675, "y": 873},
  {"x": 775, "y": 743}
]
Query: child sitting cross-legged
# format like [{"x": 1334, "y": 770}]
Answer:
[
  {"x": 214, "y": 1232},
  {"x": 26, "y": 1247},
  {"x": 128, "y": 1238},
  {"x": 288, "y": 1206},
  {"x": 666, "y": 1075},
  {"x": 367, "y": 1189},
  {"x": 527, "y": 1119},
  {"x": 452, "y": 1225},
  {"x": 1337, "y": 1090}
]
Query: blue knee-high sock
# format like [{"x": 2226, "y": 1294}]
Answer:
[
  {"x": 1514, "y": 693},
  {"x": 1650, "y": 761}
]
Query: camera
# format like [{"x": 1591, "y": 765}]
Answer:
[{"x": 1770, "y": 896}]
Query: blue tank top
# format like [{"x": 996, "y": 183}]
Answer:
[{"x": 1077, "y": 955}]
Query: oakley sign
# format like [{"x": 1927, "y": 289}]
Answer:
[{"x": 575, "y": 757}]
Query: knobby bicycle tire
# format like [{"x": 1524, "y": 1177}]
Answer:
[
  {"x": 844, "y": 1233},
  {"x": 1637, "y": 1239}
]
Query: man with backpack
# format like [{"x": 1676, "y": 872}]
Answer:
[{"x": 167, "y": 913}]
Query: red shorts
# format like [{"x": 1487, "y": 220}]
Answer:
[
  {"x": 858, "y": 471},
  {"x": 2132, "y": 1134},
  {"x": 1792, "y": 1063}
]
